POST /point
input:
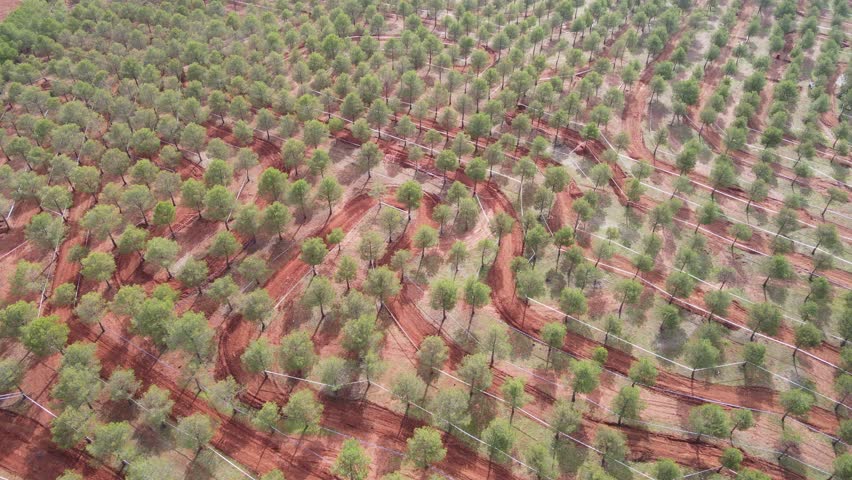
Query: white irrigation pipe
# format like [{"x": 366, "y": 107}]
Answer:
[
  {"x": 241, "y": 2},
  {"x": 40, "y": 405},
  {"x": 236, "y": 409},
  {"x": 690, "y": 432},
  {"x": 9, "y": 215},
  {"x": 704, "y": 311},
  {"x": 291, "y": 377},
  {"x": 47, "y": 279},
  {"x": 708, "y": 368},
  {"x": 392, "y": 206},
  {"x": 802, "y": 387},
  {"x": 756, "y": 148},
  {"x": 9, "y": 396},
  {"x": 157, "y": 360},
  {"x": 128, "y": 341},
  {"x": 290, "y": 290},
  {"x": 470, "y": 435},
  {"x": 723, "y": 319},
  {"x": 535, "y": 417},
  {"x": 740, "y": 245},
  {"x": 817, "y": 170},
  {"x": 599, "y": 330},
  {"x": 696, "y": 182},
  {"x": 404, "y": 332},
  {"x": 237, "y": 467},
  {"x": 14, "y": 249},
  {"x": 398, "y": 324},
  {"x": 669, "y": 153},
  {"x": 331, "y": 430},
  {"x": 178, "y": 430}
]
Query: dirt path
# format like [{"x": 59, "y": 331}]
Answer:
[
  {"x": 829, "y": 118},
  {"x": 636, "y": 100},
  {"x": 292, "y": 269}
]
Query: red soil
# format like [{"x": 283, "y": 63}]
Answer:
[
  {"x": 345, "y": 218},
  {"x": 829, "y": 118},
  {"x": 29, "y": 452},
  {"x": 713, "y": 72}
]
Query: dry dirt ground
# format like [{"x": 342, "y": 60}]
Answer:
[{"x": 6, "y": 7}]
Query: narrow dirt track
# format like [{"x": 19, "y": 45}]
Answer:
[
  {"x": 346, "y": 217},
  {"x": 829, "y": 118}
]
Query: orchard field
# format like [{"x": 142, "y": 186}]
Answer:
[{"x": 527, "y": 239}]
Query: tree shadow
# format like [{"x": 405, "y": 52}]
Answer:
[
  {"x": 670, "y": 342},
  {"x": 482, "y": 411},
  {"x": 569, "y": 456},
  {"x": 556, "y": 281},
  {"x": 522, "y": 346},
  {"x": 777, "y": 293}
]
